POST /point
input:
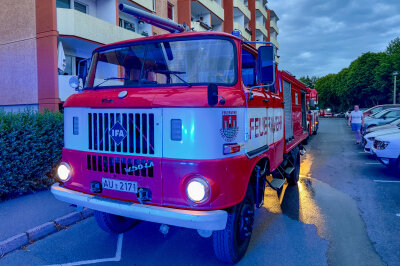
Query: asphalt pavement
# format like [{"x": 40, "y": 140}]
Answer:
[{"x": 339, "y": 214}]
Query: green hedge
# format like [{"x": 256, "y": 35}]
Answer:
[{"x": 30, "y": 148}]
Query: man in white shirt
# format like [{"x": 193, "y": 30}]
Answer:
[{"x": 356, "y": 119}]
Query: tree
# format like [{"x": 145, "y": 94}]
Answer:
[
  {"x": 309, "y": 82},
  {"x": 368, "y": 80},
  {"x": 393, "y": 47}
]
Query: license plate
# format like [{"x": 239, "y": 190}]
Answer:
[{"x": 120, "y": 185}]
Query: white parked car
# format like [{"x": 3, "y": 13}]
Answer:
[
  {"x": 393, "y": 124},
  {"x": 387, "y": 149},
  {"x": 369, "y": 138}
]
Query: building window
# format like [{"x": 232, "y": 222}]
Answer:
[
  {"x": 80, "y": 7},
  {"x": 170, "y": 11},
  {"x": 127, "y": 25},
  {"x": 62, "y": 4}
]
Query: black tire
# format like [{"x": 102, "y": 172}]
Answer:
[
  {"x": 305, "y": 141},
  {"x": 293, "y": 178},
  {"x": 114, "y": 224},
  {"x": 231, "y": 244}
]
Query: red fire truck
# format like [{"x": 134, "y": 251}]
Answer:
[
  {"x": 313, "y": 113},
  {"x": 184, "y": 129}
]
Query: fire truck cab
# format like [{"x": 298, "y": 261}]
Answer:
[{"x": 183, "y": 129}]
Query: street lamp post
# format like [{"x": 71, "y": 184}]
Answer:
[{"x": 394, "y": 94}]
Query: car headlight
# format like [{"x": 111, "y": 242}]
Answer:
[
  {"x": 64, "y": 172},
  {"x": 383, "y": 145},
  {"x": 198, "y": 190}
]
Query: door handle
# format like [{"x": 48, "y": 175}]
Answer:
[
  {"x": 266, "y": 100},
  {"x": 105, "y": 99},
  {"x": 283, "y": 102}
]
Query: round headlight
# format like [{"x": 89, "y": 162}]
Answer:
[
  {"x": 64, "y": 172},
  {"x": 198, "y": 190}
]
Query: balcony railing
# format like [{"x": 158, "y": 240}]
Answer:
[
  {"x": 273, "y": 25},
  {"x": 242, "y": 29},
  {"x": 261, "y": 8},
  {"x": 213, "y": 7},
  {"x": 242, "y": 7},
  {"x": 275, "y": 42},
  {"x": 148, "y": 4},
  {"x": 75, "y": 23},
  {"x": 261, "y": 27},
  {"x": 199, "y": 26}
]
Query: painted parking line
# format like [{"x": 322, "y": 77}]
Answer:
[
  {"x": 85, "y": 262},
  {"x": 398, "y": 214},
  {"x": 386, "y": 181},
  {"x": 373, "y": 163}
]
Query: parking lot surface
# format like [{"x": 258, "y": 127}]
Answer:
[{"x": 343, "y": 212}]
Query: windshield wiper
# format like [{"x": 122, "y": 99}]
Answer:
[
  {"x": 105, "y": 80},
  {"x": 176, "y": 74}
]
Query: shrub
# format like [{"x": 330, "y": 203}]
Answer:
[{"x": 30, "y": 147}]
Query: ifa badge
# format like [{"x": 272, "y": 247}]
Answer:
[{"x": 229, "y": 128}]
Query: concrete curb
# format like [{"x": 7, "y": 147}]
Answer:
[{"x": 41, "y": 231}]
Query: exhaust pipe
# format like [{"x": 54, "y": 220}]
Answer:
[{"x": 154, "y": 20}]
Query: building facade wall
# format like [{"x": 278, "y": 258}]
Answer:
[
  {"x": 162, "y": 11},
  {"x": 18, "y": 57},
  {"x": 46, "y": 45}
]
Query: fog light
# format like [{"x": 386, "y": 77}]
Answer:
[
  {"x": 198, "y": 190},
  {"x": 64, "y": 172}
]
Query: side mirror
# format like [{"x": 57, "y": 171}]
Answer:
[
  {"x": 312, "y": 103},
  {"x": 74, "y": 82},
  {"x": 266, "y": 65},
  {"x": 212, "y": 94},
  {"x": 83, "y": 69}
]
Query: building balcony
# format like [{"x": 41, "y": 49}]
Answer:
[
  {"x": 243, "y": 31},
  {"x": 148, "y": 4},
  {"x": 242, "y": 7},
  {"x": 74, "y": 23},
  {"x": 273, "y": 25},
  {"x": 262, "y": 29},
  {"x": 199, "y": 26},
  {"x": 213, "y": 7},
  {"x": 262, "y": 10},
  {"x": 275, "y": 42}
]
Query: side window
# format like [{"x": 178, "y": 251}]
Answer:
[
  {"x": 390, "y": 115},
  {"x": 378, "y": 109},
  {"x": 248, "y": 68}
]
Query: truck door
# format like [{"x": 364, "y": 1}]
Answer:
[{"x": 258, "y": 134}]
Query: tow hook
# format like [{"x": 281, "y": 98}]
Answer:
[
  {"x": 204, "y": 233},
  {"x": 143, "y": 195},
  {"x": 164, "y": 229},
  {"x": 303, "y": 150}
]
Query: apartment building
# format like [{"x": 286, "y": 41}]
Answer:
[{"x": 35, "y": 34}]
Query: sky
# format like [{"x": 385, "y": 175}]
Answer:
[{"x": 318, "y": 37}]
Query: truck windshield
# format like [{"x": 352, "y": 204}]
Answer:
[{"x": 176, "y": 62}]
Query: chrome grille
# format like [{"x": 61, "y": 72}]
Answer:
[
  {"x": 117, "y": 165},
  {"x": 139, "y": 128}
]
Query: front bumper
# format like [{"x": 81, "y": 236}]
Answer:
[{"x": 201, "y": 220}]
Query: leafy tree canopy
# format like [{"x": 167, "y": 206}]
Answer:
[{"x": 367, "y": 81}]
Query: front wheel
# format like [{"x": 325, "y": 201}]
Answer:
[
  {"x": 114, "y": 224},
  {"x": 231, "y": 244}
]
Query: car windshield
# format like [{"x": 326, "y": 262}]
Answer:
[
  {"x": 177, "y": 62},
  {"x": 395, "y": 122},
  {"x": 379, "y": 114}
]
